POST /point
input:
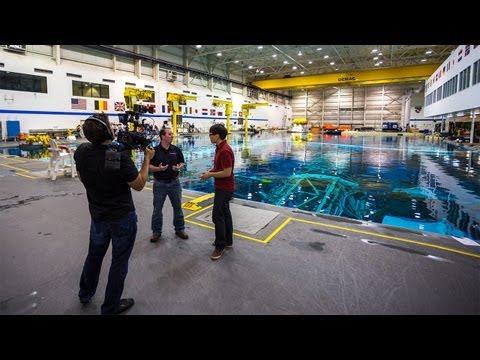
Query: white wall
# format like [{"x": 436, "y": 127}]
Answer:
[
  {"x": 53, "y": 110},
  {"x": 462, "y": 100}
]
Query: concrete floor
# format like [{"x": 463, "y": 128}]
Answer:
[{"x": 283, "y": 261}]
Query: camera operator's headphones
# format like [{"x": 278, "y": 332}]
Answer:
[{"x": 108, "y": 128}]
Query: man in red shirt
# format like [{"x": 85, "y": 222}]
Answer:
[{"x": 222, "y": 172}]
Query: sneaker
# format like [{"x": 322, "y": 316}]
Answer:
[
  {"x": 181, "y": 234},
  {"x": 155, "y": 237},
  {"x": 124, "y": 305},
  {"x": 217, "y": 254}
]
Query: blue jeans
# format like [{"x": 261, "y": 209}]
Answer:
[
  {"x": 174, "y": 192},
  {"x": 222, "y": 218},
  {"x": 122, "y": 232}
]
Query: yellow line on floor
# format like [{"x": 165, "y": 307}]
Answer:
[
  {"x": 14, "y": 167},
  {"x": 213, "y": 228},
  {"x": 289, "y": 219},
  {"x": 27, "y": 176},
  {"x": 390, "y": 237},
  {"x": 278, "y": 229}
]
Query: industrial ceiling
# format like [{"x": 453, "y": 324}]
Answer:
[{"x": 259, "y": 62}]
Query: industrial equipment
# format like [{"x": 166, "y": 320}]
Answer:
[
  {"x": 246, "y": 112},
  {"x": 134, "y": 99},
  {"x": 228, "y": 109},
  {"x": 173, "y": 101}
]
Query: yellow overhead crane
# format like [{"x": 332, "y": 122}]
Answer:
[
  {"x": 246, "y": 112},
  {"x": 353, "y": 78},
  {"x": 133, "y": 96},
  {"x": 228, "y": 109},
  {"x": 173, "y": 101}
]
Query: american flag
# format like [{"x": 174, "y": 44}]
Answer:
[
  {"x": 79, "y": 104},
  {"x": 119, "y": 106}
]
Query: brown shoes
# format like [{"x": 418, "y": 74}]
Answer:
[
  {"x": 181, "y": 234},
  {"x": 155, "y": 237},
  {"x": 217, "y": 254}
]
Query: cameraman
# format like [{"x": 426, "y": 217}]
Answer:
[
  {"x": 108, "y": 174},
  {"x": 166, "y": 167}
]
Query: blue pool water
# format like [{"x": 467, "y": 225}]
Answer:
[
  {"x": 395, "y": 180},
  {"x": 389, "y": 179}
]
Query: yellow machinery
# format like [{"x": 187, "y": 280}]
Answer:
[
  {"x": 246, "y": 112},
  {"x": 133, "y": 96},
  {"x": 228, "y": 109},
  {"x": 173, "y": 101}
]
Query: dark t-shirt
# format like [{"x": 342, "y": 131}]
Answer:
[
  {"x": 171, "y": 156},
  {"x": 109, "y": 195}
]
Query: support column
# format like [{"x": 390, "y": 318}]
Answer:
[{"x": 472, "y": 127}]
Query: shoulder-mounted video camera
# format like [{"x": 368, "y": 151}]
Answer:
[{"x": 140, "y": 137}]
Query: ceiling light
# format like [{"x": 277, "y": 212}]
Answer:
[
  {"x": 375, "y": 58},
  {"x": 294, "y": 68},
  {"x": 285, "y": 61},
  {"x": 198, "y": 46},
  {"x": 423, "y": 60},
  {"x": 302, "y": 72},
  {"x": 428, "y": 52},
  {"x": 325, "y": 56},
  {"x": 236, "y": 61},
  {"x": 260, "y": 47},
  {"x": 332, "y": 63},
  {"x": 299, "y": 53},
  {"x": 319, "y": 49},
  {"x": 274, "y": 55},
  {"x": 219, "y": 54},
  {"x": 250, "y": 66},
  {"x": 310, "y": 62},
  {"x": 374, "y": 50}
]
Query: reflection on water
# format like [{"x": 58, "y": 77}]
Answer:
[{"x": 395, "y": 180}]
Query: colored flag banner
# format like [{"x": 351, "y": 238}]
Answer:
[
  {"x": 204, "y": 111},
  {"x": 220, "y": 113},
  {"x": 101, "y": 105},
  {"x": 151, "y": 108},
  {"x": 79, "y": 104},
  {"x": 119, "y": 106}
]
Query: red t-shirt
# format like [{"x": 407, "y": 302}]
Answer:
[{"x": 224, "y": 159}]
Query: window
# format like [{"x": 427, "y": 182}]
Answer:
[
  {"x": 23, "y": 82},
  {"x": 80, "y": 88}
]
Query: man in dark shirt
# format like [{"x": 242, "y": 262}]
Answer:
[
  {"x": 222, "y": 172},
  {"x": 165, "y": 167},
  {"x": 108, "y": 175}
]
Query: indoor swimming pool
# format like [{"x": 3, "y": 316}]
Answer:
[{"x": 390, "y": 179}]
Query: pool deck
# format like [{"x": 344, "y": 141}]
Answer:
[{"x": 283, "y": 261}]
